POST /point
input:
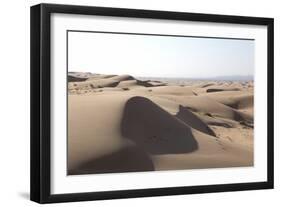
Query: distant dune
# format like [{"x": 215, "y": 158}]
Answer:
[{"x": 117, "y": 123}]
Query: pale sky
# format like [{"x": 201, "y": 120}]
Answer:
[{"x": 159, "y": 56}]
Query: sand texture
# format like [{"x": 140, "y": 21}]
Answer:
[{"x": 119, "y": 123}]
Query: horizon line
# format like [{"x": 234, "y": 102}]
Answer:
[{"x": 228, "y": 77}]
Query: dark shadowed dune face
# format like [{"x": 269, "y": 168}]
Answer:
[
  {"x": 155, "y": 130},
  {"x": 212, "y": 90},
  {"x": 149, "y": 83},
  {"x": 128, "y": 159},
  {"x": 193, "y": 121},
  {"x": 123, "y": 77},
  {"x": 71, "y": 78}
]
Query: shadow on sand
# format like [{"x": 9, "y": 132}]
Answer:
[
  {"x": 155, "y": 130},
  {"x": 128, "y": 159}
]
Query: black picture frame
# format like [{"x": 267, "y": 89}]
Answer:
[{"x": 41, "y": 102}]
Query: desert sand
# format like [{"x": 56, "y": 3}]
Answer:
[{"x": 121, "y": 123}]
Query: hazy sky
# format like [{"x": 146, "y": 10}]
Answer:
[{"x": 159, "y": 56}]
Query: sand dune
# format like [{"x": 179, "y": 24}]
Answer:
[
  {"x": 124, "y": 124},
  {"x": 242, "y": 100}
]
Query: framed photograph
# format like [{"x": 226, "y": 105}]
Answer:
[{"x": 132, "y": 103}]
